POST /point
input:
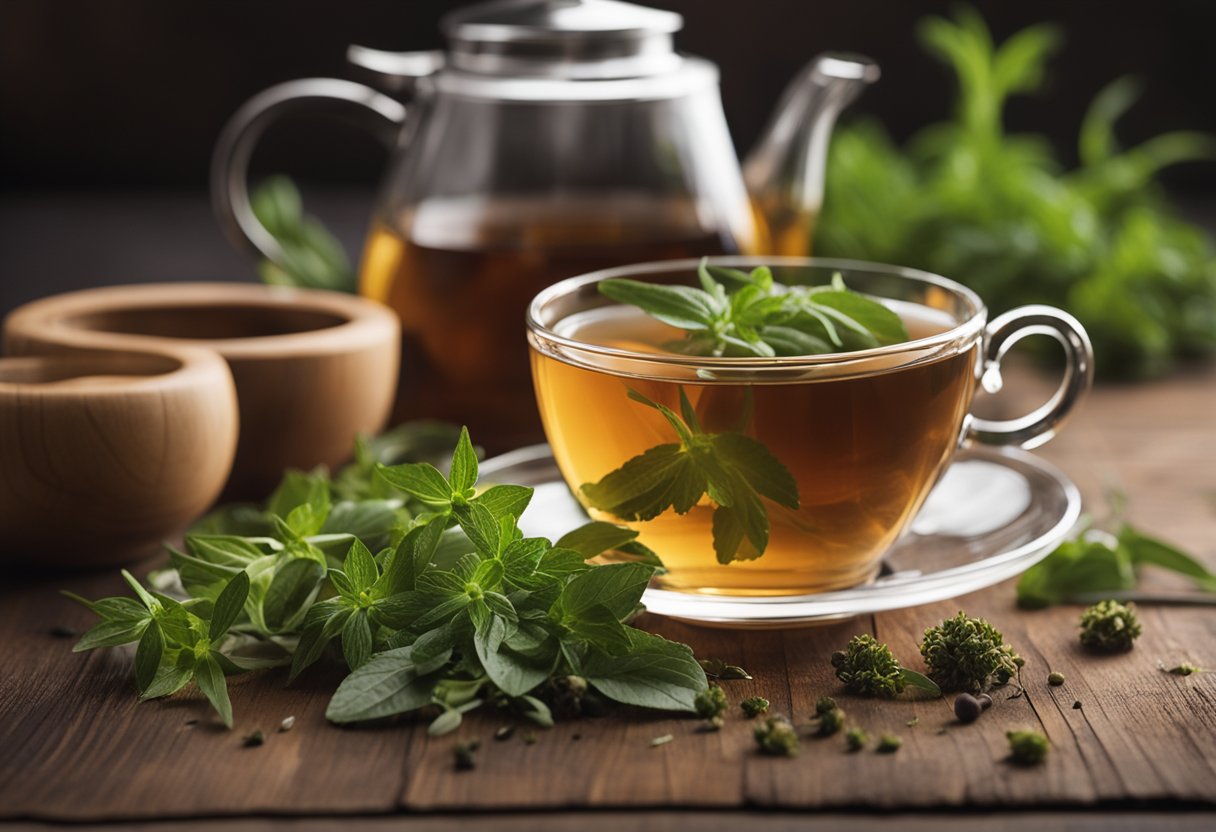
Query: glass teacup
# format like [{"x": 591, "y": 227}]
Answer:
[{"x": 832, "y": 454}]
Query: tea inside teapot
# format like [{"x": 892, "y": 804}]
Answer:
[{"x": 553, "y": 138}]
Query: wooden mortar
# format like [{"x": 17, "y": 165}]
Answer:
[
  {"x": 104, "y": 455},
  {"x": 312, "y": 368}
]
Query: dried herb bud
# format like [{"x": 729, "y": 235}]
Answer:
[
  {"x": 889, "y": 744},
  {"x": 253, "y": 740},
  {"x": 1055, "y": 679},
  {"x": 1027, "y": 748},
  {"x": 1109, "y": 627},
  {"x": 711, "y": 704},
  {"x": 868, "y": 668},
  {"x": 967, "y": 708},
  {"x": 1076, "y": 706},
  {"x": 968, "y": 654},
  {"x": 61, "y": 631},
  {"x": 663, "y": 740},
  {"x": 288, "y": 723},
  {"x": 504, "y": 732},
  {"x": 830, "y": 722},
  {"x": 776, "y": 736},
  {"x": 732, "y": 671},
  {"x": 855, "y": 739},
  {"x": 913, "y": 722},
  {"x": 824, "y": 704},
  {"x": 463, "y": 754},
  {"x": 753, "y": 706}
]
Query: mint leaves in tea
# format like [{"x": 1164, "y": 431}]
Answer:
[{"x": 765, "y": 486}]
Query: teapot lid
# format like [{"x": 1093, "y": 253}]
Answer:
[{"x": 566, "y": 39}]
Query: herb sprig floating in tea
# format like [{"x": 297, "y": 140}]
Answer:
[
  {"x": 742, "y": 314},
  {"x": 734, "y": 470},
  {"x": 433, "y": 593}
]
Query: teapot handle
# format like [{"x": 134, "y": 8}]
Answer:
[{"x": 230, "y": 162}]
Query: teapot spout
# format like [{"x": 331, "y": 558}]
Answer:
[{"x": 784, "y": 173}]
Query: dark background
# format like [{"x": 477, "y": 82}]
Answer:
[{"x": 108, "y": 111}]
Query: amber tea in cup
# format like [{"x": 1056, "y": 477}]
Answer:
[{"x": 863, "y": 435}]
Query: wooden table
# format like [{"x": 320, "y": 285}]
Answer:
[{"x": 76, "y": 747}]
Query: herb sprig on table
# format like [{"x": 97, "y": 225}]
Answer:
[{"x": 431, "y": 590}]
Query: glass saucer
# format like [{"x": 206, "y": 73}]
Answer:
[{"x": 995, "y": 513}]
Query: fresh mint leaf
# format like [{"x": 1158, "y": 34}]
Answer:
[
  {"x": 294, "y": 584},
  {"x": 388, "y": 684},
  {"x": 734, "y": 470},
  {"x": 678, "y": 306},
  {"x": 148, "y": 655},
  {"x": 596, "y": 537},
  {"x": 463, "y": 475},
  {"x": 866, "y": 315},
  {"x": 505, "y": 500},
  {"x": 1145, "y": 550},
  {"x": 228, "y": 606},
  {"x": 210, "y": 680},
  {"x": 356, "y": 640},
  {"x": 360, "y": 567},
  {"x": 655, "y": 673},
  {"x": 419, "y": 479},
  {"x": 618, "y": 587}
]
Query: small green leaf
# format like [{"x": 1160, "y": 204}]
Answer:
[
  {"x": 505, "y": 500},
  {"x": 595, "y": 538},
  {"x": 148, "y": 655},
  {"x": 420, "y": 479},
  {"x": 617, "y": 587},
  {"x": 210, "y": 679},
  {"x": 919, "y": 680},
  {"x": 386, "y": 685},
  {"x": 356, "y": 640},
  {"x": 112, "y": 634},
  {"x": 480, "y": 526},
  {"x": 294, "y": 584},
  {"x": 679, "y": 306},
  {"x": 228, "y": 606},
  {"x": 409, "y": 560},
  {"x": 464, "y": 464},
  {"x": 655, "y": 673},
  {"x": 360, "y": 567}
]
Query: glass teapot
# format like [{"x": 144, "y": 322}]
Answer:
[{"x": 553, "y": 138}]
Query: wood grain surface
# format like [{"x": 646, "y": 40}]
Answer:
[{"x": 75, "y": 745}]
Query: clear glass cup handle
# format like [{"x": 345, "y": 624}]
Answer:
[
  {"x": 230, "y": 162},
  {"x": 1043, "y": 423}
]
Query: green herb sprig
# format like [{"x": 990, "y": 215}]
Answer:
[
  {"x": 966, "y": 199},
  {"x": 1094, "y": 565},
  {"x": 742, "y": 314},
  {"x": 437, "y": 600}
]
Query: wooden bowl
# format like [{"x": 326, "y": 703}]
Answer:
[
  {"x": 312, "y": 369},
  {"x": 104, "y": 455}
]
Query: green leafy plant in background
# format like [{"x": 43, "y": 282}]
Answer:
[
  {"x": 424, "y": 581},
  {"x": 997, "y": 212},
  {"x": 312, "y": 257}
]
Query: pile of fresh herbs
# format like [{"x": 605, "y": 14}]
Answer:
[
  {"x": 996, "y": 211},
  {"x": 422, "y": 578}
]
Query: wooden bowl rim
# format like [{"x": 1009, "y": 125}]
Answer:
[
  {"x": 364, "y": 322},
  {"x": 192, "y": 368}
]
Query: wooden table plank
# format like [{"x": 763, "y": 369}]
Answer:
[
  {"x": 77, "y": 747},
  {"x": 681, "y": 821}
]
